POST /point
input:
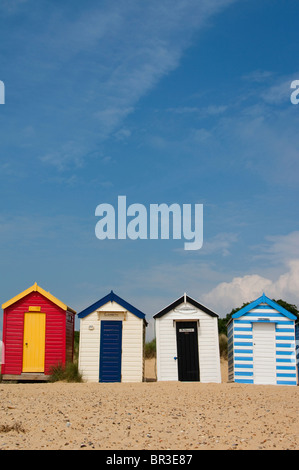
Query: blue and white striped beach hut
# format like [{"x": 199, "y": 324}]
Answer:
[{"x": 262, "y": 344}]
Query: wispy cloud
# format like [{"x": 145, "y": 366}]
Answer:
[
  {"x": 220, "y": 243},
  {"x": 212, "y": 110},
  {"x": 154, "y": 38},
  {"x": 27, "y": 230},
  {"x": 280, "y": 91},
  {"x": 258, "y": 76},
  {"x": 99, "y": 63},
  {"x": 71, "y": 153},
  {"x": 256, "y": 133},
  {"x": 279, "y": 248}
]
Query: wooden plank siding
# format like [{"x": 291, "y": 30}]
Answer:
[
  {"x": 132, "y": 349},
  {"x": 69, "y": 337},
  {"x": 89, "y": 347},
  {"x": 297, "y": 348},
  {"x": 13, "y": 325},
  {"x": 230, "y": 351}
]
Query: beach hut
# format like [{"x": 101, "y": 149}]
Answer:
[
  {"x": 112, "y": 339},
  {"x": 187, "y": 342},
  {"x": 38, "y": 333},
  {"x": 261, "y": 344}
]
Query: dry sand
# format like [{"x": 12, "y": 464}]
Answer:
[{"x": 150, "y": 415}]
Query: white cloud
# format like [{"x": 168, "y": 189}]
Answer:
[
  {"x": 228, "y": 295},
  {"x": 280, "y": 251}
]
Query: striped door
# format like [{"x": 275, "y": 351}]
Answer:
[
  {"x": 110, "y": 351},
  {"x": 264, "y": 358},
  {"x": 34, "y": 342}
]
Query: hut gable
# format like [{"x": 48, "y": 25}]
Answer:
[
  {"x": 184, "y": 300},
  {"x": 40, "y": 290},
  {"x": 111, "y": 297},
  {"x": 264, "y": 305}
]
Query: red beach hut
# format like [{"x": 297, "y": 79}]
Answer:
[{"x": 38, "y": 333}]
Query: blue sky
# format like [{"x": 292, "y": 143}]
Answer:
[{"x": 164, "y": 102}]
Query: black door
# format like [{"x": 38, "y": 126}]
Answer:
[{"x": 187, "y": 349}]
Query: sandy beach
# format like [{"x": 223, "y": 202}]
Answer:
[{"x": 149, "y": 415}]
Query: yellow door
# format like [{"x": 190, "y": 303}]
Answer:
[{"x": 34, "y": 342}]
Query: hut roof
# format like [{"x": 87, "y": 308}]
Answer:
[
  {"x": 185, "y": 298},
  {"x": 264, "y": 300},
  {"x": 36, "y": 288},
  {"x": 111, "y": 297}
]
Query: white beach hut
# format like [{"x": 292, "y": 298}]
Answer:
[
  {"x": 187, "y": 342},
  {"x": 262, "y": 345},
  {"x": 112, "y": 338}
]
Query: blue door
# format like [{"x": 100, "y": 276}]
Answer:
[{"x": 110, "y": 351}]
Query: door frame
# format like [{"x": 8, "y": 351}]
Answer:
[
  {"x": 188, "y": 324},
  {"x": 103, "y": 323},
  {"x": 273, "y": 326},
  {"x": 41, "y": 368}
]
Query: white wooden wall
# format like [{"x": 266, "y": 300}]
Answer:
[
  {"x": 132, "y": 349},
  {"x": 132, "y": 343},
  {"x": 208, "y": 345}
]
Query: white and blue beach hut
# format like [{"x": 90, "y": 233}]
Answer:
[
  {"x": 112, "y": 339},
  {"x": 262, "y": 344}
]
